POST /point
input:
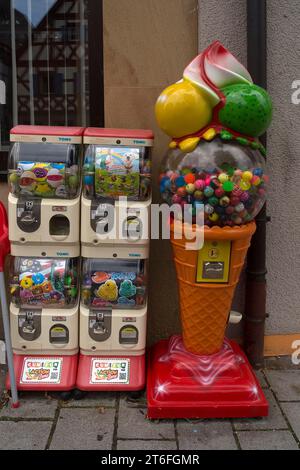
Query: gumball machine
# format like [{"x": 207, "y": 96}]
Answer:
[
  {"x": 44, "y": 214},
  {"x": 115, "y": 212},
  {"x": 215, "y": 165}
]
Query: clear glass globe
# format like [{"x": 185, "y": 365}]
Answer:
[{"x": 226, "y": 177}]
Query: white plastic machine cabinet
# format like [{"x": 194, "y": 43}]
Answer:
[
  {"x": 46, "y": 331},
  {"x": 44, "y": 198},
  {"x": 116, "y": 198},
  {"x": 113, "y": 332}
]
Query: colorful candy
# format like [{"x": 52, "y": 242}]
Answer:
[{"x": 231, "y": 196}]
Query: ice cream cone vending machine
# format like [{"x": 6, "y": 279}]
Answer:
[
  {"x": 215, "y": 164},
  {"x": 44, "y": 223},
  {"x": 115, "y": 212}
]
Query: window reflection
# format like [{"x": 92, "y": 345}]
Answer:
[{"x": 43, "y": 63}]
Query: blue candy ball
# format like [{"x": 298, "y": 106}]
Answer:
[
  {"x": 258, "y": 172},
  {"x": 180, "y": 181}
]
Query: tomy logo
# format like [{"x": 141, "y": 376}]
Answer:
[{"x": 64, "y": 139}]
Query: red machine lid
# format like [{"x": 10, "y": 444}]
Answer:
[
  {"x": 48, "y": 130},
  {"x": 122, "y": 133}
]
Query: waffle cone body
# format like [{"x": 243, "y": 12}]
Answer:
[{"x": 204, "y": 308}]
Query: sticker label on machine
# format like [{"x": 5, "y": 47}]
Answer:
[
  {"x": 110, "y": 371},
  {"x": 213, "y": 261},
  {"x": 41, "y": 370}
]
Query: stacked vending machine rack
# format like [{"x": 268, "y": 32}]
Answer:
[
  {"x": 115, "y": 215},
  {"x": 44, "y": 229}
]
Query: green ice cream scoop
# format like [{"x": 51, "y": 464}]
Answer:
[{"x": 248, "y": 109}]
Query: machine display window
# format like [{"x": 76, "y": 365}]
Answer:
[
  {"x": 44, "y": 283},
  {"x": 113, "y": 283},
  {"x": 111, "y": 172},
  {"x": 44, "y": 170}
]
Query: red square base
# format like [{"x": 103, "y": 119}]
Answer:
[
  {"x": 134, "y": 375},
  {"x": 184, "y": 385},
  {"x": 34, "y": 372}
]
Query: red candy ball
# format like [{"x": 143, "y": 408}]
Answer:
[
  {"x": 189, "y": 178},
  {"x": 234, "y": 200},
  {"x": 229, "y": 210},
  {"x": 219, "y": 192},
  {"x": 181, "y": 192}
]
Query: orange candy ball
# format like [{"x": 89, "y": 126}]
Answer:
[{"x": 190, "y": 178}]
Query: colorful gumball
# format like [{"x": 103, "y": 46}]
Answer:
[
  {"x": 239, "y": 207},
  {"x": 190, "y": 188},
  {"x": 219, "y": 192},
  {"x": 224, "y": 201},
  {"x": 247, "y": 176},
  {"x": 244, "y": 196},
  {"x": 213, "y": 201},
  {"x": 181, "y": 192},
  {"x": 228, "y": 186},
  {"x": 213, "y": 217},
  {"x": 223, "y": 177},
  {"x": 180, "y": 181},
  {"x": 189, "y": 178},
  {"x": 198, "y": 195},
  {"x": 208, "y": 191},
  {"x": 245, "y": 185},
  {"x": 199, "y": 184},
  {"x": 234, "y": 201},
  {"x": 208, "y": 209},
  {"x": 229, "y": 210}
]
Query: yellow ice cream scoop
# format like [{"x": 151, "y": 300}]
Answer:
[{"x": 183, "y": 109}]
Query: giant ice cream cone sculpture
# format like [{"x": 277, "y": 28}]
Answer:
[
  {"x": 204, "y": 308},
  {"x": 214, "y": 116}
]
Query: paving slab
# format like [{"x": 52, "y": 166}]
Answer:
[
  {"x": 146, "y": 445},
  {"x": 205, "y": 435},
  {"x": 24, "y": 435},
  {"x": 32, "y": 405},
  {"x": 93, "y": 399},
  {"x": 267, "y": 440},
  {"x": 275, "y": 420},
  {"x": 84, "y": 429},
  {"x": 261, "y": 378},
  {"x": 292, "y": 412},
  {"x": 133, "y": 424},
  {"x": 285, "y": 383}
]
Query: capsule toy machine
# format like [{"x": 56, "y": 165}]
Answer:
[
  {"x": 44, "y": 213},
  {"x": 115, "y": 250},
  {"x": 44, "y": 321},
  {"x": 44, "y": 198},
  {"x": 116, "y": 196},
  {"x": 215, "y": 173}
]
